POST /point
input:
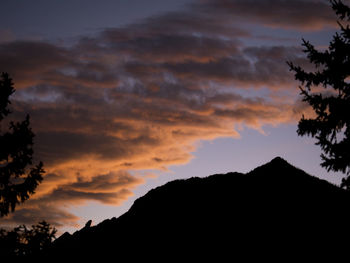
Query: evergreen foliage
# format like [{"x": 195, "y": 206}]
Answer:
[
  {"x": 330, "y": 102},
  {"x": 18, "y": 177}
]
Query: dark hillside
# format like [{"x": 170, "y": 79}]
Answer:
[{"x": 275, "y": 207}]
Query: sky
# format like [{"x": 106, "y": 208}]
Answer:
[{"x": 127, "y": 95}]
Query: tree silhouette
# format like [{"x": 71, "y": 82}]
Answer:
[
  {"x": 18, "y": 177},
  {"x": 22, "y": 241},
  {"x": 330, "y": 102}
]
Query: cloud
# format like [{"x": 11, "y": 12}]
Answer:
[
  {"x": 6, "y": 35},
  {"x": 110, "y": 189},
  {"x": 306, "y": 15},
  {"x": 32, "y": 215},
  {"x": 140, "y": 97},
  {"x": 165, "y": 47},
  {"x": 27, "y": 60}
]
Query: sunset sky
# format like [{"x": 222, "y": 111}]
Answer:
[{"x": 125, "y": 95}]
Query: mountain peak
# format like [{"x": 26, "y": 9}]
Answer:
[
  {"x": 276, "y": 165},
  {"x": 278, "y": 162},
  {"x": 278, "y": 159}
]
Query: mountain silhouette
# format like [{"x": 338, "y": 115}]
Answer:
[{"x": 276, "y": 208}]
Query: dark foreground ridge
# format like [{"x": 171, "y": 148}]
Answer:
[{"x": 275, "y": 207}]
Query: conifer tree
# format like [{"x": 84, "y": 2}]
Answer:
[
  {"x": 18, "y": 177},
  {"x": 327, "y": 91}
]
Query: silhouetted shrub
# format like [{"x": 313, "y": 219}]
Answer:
[{"x": 21, "y": 241}]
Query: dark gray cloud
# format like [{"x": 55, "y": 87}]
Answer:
[
  {"x": 32, "y": 215},
  {"x": 27, "y": 60},
  {"x": 291, "y": 14},
  {"x": 252, "y": 66},
  {"x": 175, "y": 47}
]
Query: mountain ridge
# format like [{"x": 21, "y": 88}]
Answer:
[{"x": 275, "y": 199}]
